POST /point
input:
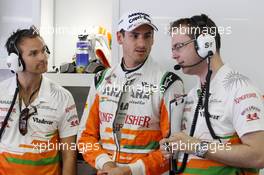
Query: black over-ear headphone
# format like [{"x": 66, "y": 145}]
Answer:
[
  {"x": 205, "y": 42},
  {"x": 14, "y": 61}
]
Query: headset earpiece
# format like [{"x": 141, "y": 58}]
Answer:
[
  {"x": 14, "y": 63},
  {"x": 14, "y": 60},
  {"x": 205, "y": 45}
]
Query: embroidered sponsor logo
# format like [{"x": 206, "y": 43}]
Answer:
[
  {"x": 215, "y": 117},
  {"x": 47, "y": 108},
  {"x": 6, "y": 110},
  {"x": 106, "y": 99},
  {"x": 74, "y": 123},
  {"x": 187, "y": 109},
  {"x": 73, "y": 120},
  {"x": 166, "y": 83},
  {"x": 42, "y": 121},
  {"x": 179, "y": 98},
  {"x": 251, "y": 117},
  {"x": 111, "y": 91},
  {"x": 148, "y": 85},
  {"x": 138, "y": 13},
  {"x": 183, "y": 124},
  {"x": 244, "y": 97},
  {"x": 140, "y": 94},
  {"x": 189, "y": 102},
  {"x": 215, "y": 101},
  {"x": 108, "y": 79},
  {"x": 105, "y": 117},
  {"x": 140, "y": 102},
  {"x": 143, "y": 121},
  {"x": 250, "y": 109},
  {"x": 132, "y": 76},
  {"x": 5, "y": 102},
  {"x": 68, "y": 109},
  {"x": 124, "y": 106},
  {"x": 73, "y": 117}
]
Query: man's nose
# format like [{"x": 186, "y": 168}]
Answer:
[
  {"x": 175, "y": 55},
  {"x": 141, "y": 41},
  {"x": 44, "y": 55}
]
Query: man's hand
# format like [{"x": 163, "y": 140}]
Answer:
[
  {"x": 116, "y": 171},
  {"x": 165, "y": 148},
  {"x": 107, "y": 166}
]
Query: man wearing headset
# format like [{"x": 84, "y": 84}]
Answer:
[
  {"x": 38, "y": 118},
  {"x": 223, "y": 119},
  {"x": 130, "y": 111}
]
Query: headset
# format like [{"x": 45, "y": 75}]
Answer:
[
  {"x": 205, "y": 42},
  {"x": 14, "y": 60},
  {"x": 205, "y": 46}
]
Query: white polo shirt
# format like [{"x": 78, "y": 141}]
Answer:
[
  {"x": 56, "y": 118},
  {"x": 236, "y": 108},
  {"x": 235, "y": 105}
]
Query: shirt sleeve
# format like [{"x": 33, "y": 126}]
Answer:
[
  {"x": 248, "y": 110},
  {"x": 69, "y": 121}
]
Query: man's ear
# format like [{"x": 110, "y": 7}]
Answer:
[{"x": 119, "y": 37}]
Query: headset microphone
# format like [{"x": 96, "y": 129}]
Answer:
[{"x": 178, "y": 66}]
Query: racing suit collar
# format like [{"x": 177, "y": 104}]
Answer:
[{"x": 136, "y": 72}]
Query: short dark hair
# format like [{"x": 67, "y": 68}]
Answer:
[
  {"x": 15, "y": 39},
  {"x": 199, "y": 22},
  {"x": 122, "y": 31}
]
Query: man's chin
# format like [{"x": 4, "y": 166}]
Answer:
[
  {"x": 142, "y": 57},
  {"x": 42, "y": 70}
]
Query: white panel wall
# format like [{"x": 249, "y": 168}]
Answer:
[
  {"x": 72, "y": 17},
  {"x": 16, "y": 14},
  {"x": 47, "y": 26},
  {"x": 242, "y": 49}
]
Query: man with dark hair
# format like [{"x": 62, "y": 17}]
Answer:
[
  {"x": 131, "y": 109},
  {"x": 223, "y": 119},
  {"x": 38, "y": 118}
]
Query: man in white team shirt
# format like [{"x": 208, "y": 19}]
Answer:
[
  {"x": 38, "y": 118},
  {"x": 228, "y": 133}
]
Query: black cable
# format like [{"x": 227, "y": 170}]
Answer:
[
  {"x": 174, "y": 165},
  {"x": 205, "y": 92},
  {"x": 206, "y": 102},
  {"x": 9, "y": 110}
]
